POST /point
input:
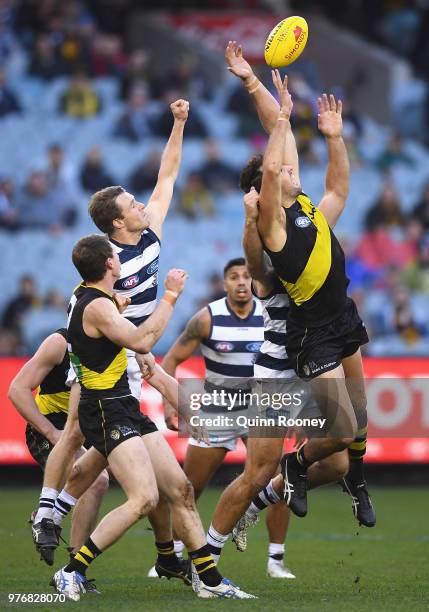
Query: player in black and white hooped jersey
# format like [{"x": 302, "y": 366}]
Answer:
[{"x": 230, "y": 333}]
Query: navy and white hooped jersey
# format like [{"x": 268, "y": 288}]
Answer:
[
  {"x": 230, "y": 349},
  {"x": 139, "y": 275},
  {"x": 272, "y": 360}
]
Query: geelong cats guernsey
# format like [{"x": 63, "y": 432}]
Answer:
[
  {"x": 139, "y": 275},
  {"x": 230, "y": 350}
]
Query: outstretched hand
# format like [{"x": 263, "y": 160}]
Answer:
[
  {"x": 236, "y": 62},
  {"x": 251, "y": 200},
  {"x": 330, "y": 122},
  {"x": 285, "y": 98},
  {"x": 180, "y": 110}
]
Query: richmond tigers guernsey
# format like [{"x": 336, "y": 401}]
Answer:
[
  {"x": 100, "y": 364},
  {"x": 311, "y": 266},
  {"x": 53, "y": 393}
]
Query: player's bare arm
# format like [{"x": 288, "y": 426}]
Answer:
[
  {"x": 160, "y": 199},
  {"x": 271, "y": 220},
  {"x": 266, "y": 105},
  {"x": 338, "y": 172},
  {"x": 196, "y": 330},
  {"x": 48, "y": 355},
  {"x": 256, "y": 260},
  {"x": 101, "y": 318}
]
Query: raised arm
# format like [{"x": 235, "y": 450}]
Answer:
[
  {"x": 271, "y": 215},
  {"x": 196, "y": 330},
  {"x": 49, "y": 354},
  {"x": 102, "y": 316},
  {"x": 338, "y": 172},
  {"x": 160, "y": 199},
  {"x": 256, "y": 260},
  {"x": 266, "y": 105}
]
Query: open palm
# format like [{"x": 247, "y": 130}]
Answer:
[
  {"x": 236, "y": 62},
  {"x": 330, "y": 122}
]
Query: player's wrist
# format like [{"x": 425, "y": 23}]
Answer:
[{"x": 170, "y": 297}]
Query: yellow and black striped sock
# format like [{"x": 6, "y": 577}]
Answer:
[
  {"x": 357, "y": 450},
  {"x": 205, "y": 566},
  {"x": 166, "y": 554},
  {"x": 83, "y": 558}
]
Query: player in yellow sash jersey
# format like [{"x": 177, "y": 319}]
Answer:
[{"x": 46, "y": 415}]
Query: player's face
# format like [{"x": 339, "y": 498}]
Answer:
[
  {"x": 134, "y": 215},
  {"x": 291, "y": 186},
  {"x": 237, "y": 285}
]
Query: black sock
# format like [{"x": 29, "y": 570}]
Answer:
[
  {"x": 355, "y": 473},
  {"x": 166, "y": 555},
  {"x": 205, "y": 566},
  {"x": 83, "y": 558},
  {"x": 301, "y": 459}
]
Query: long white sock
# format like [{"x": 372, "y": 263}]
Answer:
[
  {"x": 266, "y": 497},
  {"x": 46, "y": 504},
  {"x": 179, "y": 548},
  {"x": 216, "y": 542},
  {"x": 63, "y": 504},
  {"x": 276, "y": 552}
]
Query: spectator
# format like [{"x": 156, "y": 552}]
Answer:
[
  {"x": 386, "y": 212},
  {"x": 45, "y": 61},
  {"x": 16, "y": 308},
  {"x": 8, "y": 101},
  {"x": 135, "y": 122},
  {"x": 241, "y": 104},
  {"x": 41, "y": 321},
  {"x": 136, "y": 74},
  {"x": 421, "y": 211},
  {"x": 8, "y": 215},
  {"x": 107, "y": 56},
  {"x": 195, "y": 127},
  {"x": 79, "y": 100},
  {"x": 416, "y": 276},
  {"x": 93, "y": 174},
  {"x": 394, "y": 154},
  {"x": 196, "y": 198},
  {"x": 404, "y": 320},
  {"x": 36, "y": 205},
  {"x": 216, "y": 174},
  {"x": 145, "y": 175},
  {"x": 10, "y": 343},
  {"x": 62, "y": 184}
]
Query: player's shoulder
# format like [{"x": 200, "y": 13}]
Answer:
[{"x": 218, "y": 307}]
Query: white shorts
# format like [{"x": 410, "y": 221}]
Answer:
[
  {"x": 134, "y": 374},
  {"x": 222, "y": 437}
]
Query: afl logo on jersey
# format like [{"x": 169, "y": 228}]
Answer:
[
  {"x": 131, "y": 281},
  {"x": 224, "y": 347},
  {"x": 153, "y": 267},
  {"x": 302, "y": 222},
  {"x": 253, "y": 347}
]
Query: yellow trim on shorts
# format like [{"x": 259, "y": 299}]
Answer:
[{"x": 103, "y": 423}]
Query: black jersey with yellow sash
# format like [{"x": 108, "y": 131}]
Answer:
[
  {"x": 53, "y": 394},
  {"x": 99, "y": 363},
  {"x": 311, "y": 266}
]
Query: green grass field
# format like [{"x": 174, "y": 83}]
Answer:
[{"x": 338, "y": 566}]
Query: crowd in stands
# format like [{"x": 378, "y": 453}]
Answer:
[{"x": 387, "y": 255}]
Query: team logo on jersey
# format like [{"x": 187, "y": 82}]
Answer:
[
  {"x": 302, "y": 222},
  {"x": 131, "y": 281},
  {"x": 224, "y": 347},
  {"x": 253, "y": 347},
  {"x": 114, "y": 434},
  {"x": 153, "y": 267}
]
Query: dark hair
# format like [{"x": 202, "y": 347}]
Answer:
[
  {"x": 238, "y": 261},
  {"x": 89, "y": 257},
  {"x": 104, "y": 209},
  {"x": 251, "y": 175}
]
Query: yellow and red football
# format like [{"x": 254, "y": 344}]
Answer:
[{"x": 286, "y": 42}]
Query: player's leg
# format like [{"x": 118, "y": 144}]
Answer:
[
  {"x": 330, "y": 392},
  {"x": 201, "y": 463},
  {"x": 277, "y": 521},
  {"x": 131, "y": 467},
  {"x": 176, "y": 487},
  {"x": 263, "y": 456},
  {"x": 354, "y": 482}
]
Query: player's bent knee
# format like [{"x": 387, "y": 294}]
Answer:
[
  {"x": 101, "y": 485},
  {"x": 141, "y": 507},
  {"x": 182, "y": 493}
]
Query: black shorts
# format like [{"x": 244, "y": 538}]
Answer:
[
  {"x": 314, "y": 350},
  {"x": 106, "y": 423},
  {"x": 37, "y": 444}
]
